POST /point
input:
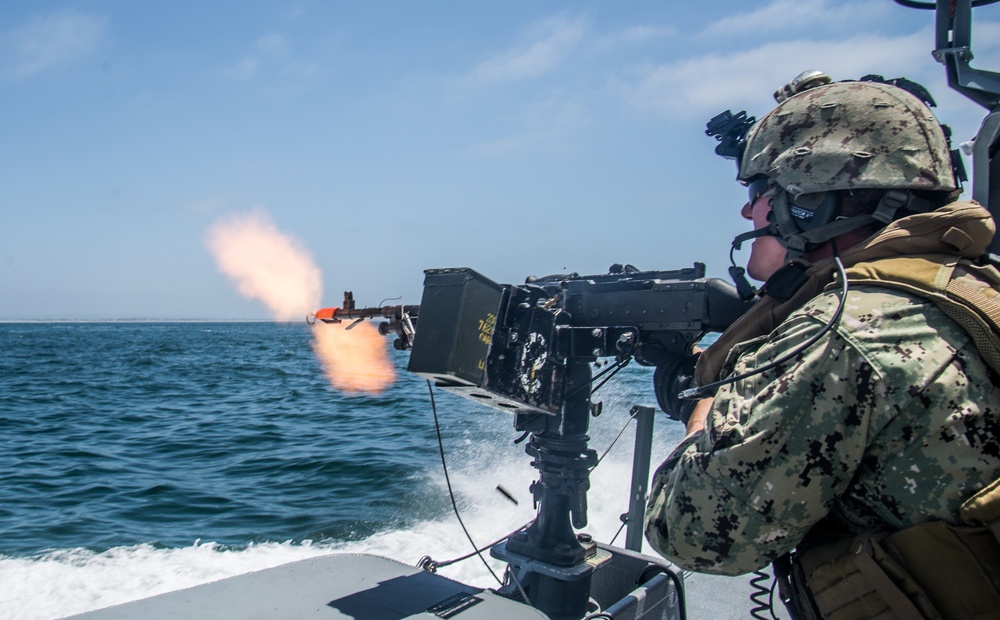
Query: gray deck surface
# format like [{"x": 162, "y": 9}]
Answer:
[
  {"x": 333, "y": 587},
  {"x": 363, "y": 587}
]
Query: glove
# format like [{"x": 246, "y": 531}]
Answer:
[{"x": 675, "y": 373}]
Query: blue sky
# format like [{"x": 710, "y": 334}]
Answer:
[{"x": 516, "y": 138}]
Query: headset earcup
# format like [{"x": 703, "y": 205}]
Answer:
[{"x": 808, "y": 215}]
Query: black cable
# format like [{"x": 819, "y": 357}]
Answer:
[
  {"x": 447, "y": 479},
  {"x": 618, "y": 533},
  {"x": 760, "y": 590},
  {"x": 930, "y": 6},
  {"x": 617, "y": 437},
  {"x": 916, "y": 4},
  {"x": 653, "y": 569},
  {"x": 613, "y": 369},
  {"x": 435, "y": 565}
]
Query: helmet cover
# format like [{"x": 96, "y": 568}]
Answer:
[{"x": 850, "y": 135}]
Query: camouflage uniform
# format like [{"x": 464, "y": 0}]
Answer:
[{"x": 891, "y": 419}]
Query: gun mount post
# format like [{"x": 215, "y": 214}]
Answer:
[
  {"x": 641, "y": 457},
  {"x": 953, "y": 49},
  {"x": 953, "y": 25},
  {"x": 551, "y": 564},
  {"x": 986, "y": 169}
]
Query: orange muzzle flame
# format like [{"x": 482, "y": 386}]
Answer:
[
  {"x": 274, "y": 269},
  {"x": 265, "y": 264},
  {"x": 355, "y": 360}
]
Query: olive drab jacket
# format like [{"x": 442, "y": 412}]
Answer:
[{"x": 891, "y": 419}]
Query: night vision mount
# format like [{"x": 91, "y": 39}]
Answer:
[{"x": 731, "y": 132}]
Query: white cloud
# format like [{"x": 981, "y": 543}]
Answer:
[
  {"x": 634, "y": 35},
  {"x": 797, "y": 18},
  {"x": 272, "y": 45},
  {"x": 546, "y": 44},
  {"x": 986, "y": 34},
  {"x": 271, "y": 50},
  {"x": 704, "y": 85},
  {"x": 547, "y": 123},
  {"x": 47, "y": 41},
  {"x": 986, "y": 44}
]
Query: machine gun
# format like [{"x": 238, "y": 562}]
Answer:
[
  {"x": 654, "y": 317},
  {"x": 529, "y": 350}
]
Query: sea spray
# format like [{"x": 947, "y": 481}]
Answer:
[{"x": 59, "y": 583}]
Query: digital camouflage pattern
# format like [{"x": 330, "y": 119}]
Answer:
[
  {"x": 850, "y": 135},
  {"x": 891, "y": 419}
]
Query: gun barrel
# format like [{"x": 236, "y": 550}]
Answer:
[{"x": 335, "y": 315}]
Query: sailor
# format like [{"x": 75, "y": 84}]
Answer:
[{"x": 850, "y": 427}]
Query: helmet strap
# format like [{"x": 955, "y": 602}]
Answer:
[
  {"x": 895, "y": 199},
  {"x": 783, "y": 225},
  {"x": 892, "y": 201}
]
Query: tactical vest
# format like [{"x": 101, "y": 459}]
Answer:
[{"x": 931, "y": 570}]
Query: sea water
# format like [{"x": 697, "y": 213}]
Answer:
[{"x": 139, "y": 458}]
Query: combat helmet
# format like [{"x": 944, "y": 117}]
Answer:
[
  {"x": 824, "y": 137},
  {"x": 849, "y": 135}
]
